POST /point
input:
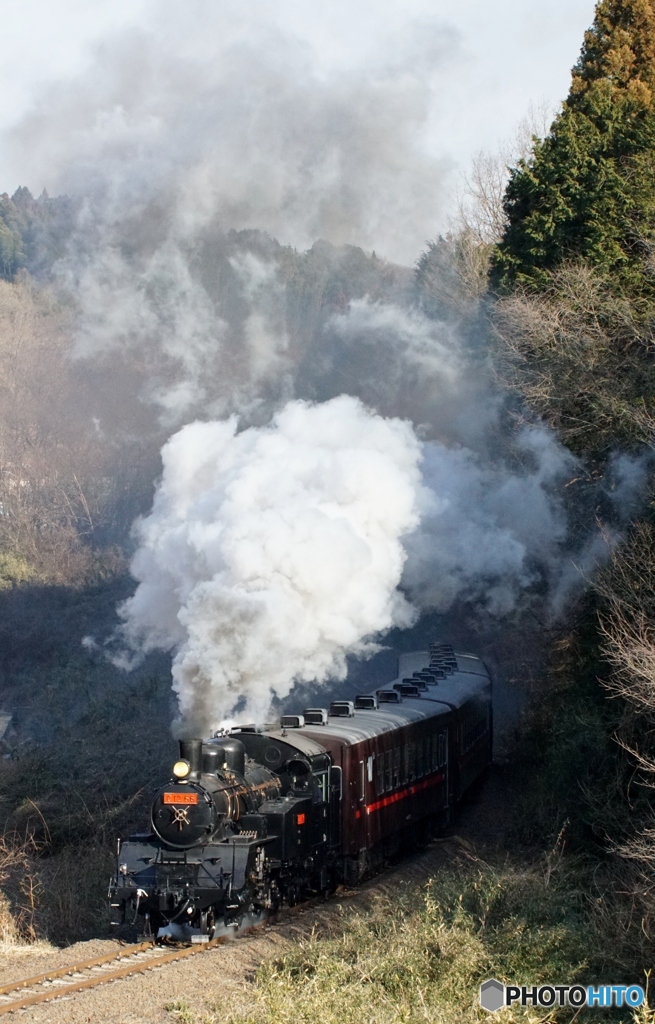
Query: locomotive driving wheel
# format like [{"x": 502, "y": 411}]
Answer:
[{"x": 207, "y": 923}]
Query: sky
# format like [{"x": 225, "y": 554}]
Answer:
[{"x": 494, "y": 61}]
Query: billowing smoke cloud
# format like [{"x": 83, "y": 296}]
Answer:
[
  {"x": 487, "y": 532},
  {"x": 271, "y": 554},
  {"x": 355, "y": 453},
  {"x": 618, "y": 496},
  {"x": 402, "y": 362},
  {"x": 214, "y": 111},
  {"x": 213, "y": 118}
]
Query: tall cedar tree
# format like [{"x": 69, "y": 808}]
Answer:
[{"x": 589, "y": 188}]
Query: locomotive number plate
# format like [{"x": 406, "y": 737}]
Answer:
[{"x": 180, "y": 798}]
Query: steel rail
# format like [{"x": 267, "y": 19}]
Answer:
[
  {"x": 121, "y": 972},
  {"x": 83, "y": 965},
  {"x": 151, "y": 962}
]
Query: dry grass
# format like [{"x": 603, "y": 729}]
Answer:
[
  {"x": 64, "y": 801},
  {"x": 420, "y": 955},
  {"x": 54, "y": 893},
  {"x": 20, "y": 891},
  {"x": 71, "y": 896}
]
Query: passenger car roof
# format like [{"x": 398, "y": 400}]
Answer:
[
  {"x": 417, "y": 660},
  {"x": 469, "y": 681},
  {"x": 367, "y": 724}
]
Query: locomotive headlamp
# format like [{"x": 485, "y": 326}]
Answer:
[{"x": 181, "y": 769}]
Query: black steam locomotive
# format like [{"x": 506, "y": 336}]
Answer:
[{"x": 257, "y": 817}]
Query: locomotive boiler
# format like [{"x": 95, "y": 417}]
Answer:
[{"x": 257, "y": 817}]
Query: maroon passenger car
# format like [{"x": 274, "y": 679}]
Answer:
[
  {"x": 252, "y": 818},
  {"x": 401, "y": 757}
]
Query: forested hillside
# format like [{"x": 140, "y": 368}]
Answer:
[
  {"x": 564, "y": 263},
  {"x": 573, "y": 306},
  {"x": 587, "y": 190}
]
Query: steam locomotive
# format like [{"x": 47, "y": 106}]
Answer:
[{"x": 255, "y": 817}]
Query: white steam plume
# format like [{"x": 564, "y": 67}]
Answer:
[
  {"x": 219, "y": 111},
  {"x": 214, "y": 117},
  {"x": 272, "y": 554},
  {"x": 487, "y": 531}
]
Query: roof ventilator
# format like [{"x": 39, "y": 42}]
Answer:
[
  {"x": 292, "y": 721},
  {"x": 407, "y": 689},
  {"x": 389, "y": 697},
  {"x": 366, "y": 703},
  {"x": 446, "y": 666},
  {"x": 341, "y": 709},
  {"x": 438, "y": 673},
  {"x": 422, "y": 680},
  {"x": 315, "y": 716}
]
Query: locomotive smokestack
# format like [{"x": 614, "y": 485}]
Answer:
[{"x": 191, "y": 751}]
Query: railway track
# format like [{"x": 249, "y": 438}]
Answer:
[
  {"x": 122, "y": 963},
  {"x": 76, "y": 977},
  {"x": 129, "y": 960},
  {"x": 138, "y": 958}
]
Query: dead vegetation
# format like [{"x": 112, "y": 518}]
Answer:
[
  {"x": 18, "y": 890},
  {"x": 86, "y": 745},
  {"x": 419, "y": 952},
  {"x": 70, "y": 476},
  {"x": 627, "y": 625},
  {"x": 581, "y": 355}
]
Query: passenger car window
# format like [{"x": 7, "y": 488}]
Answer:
[
  {"x": 388, "y": 765},
  {"x": 379, "y": 773},
  {"x": 396, "y": 767},
  {"x": 322, "y": 782}
]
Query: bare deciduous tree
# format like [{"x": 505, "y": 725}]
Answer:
[
  {"x": 480, "y": 220},
  {"x": 627, "y": 587},
  {"x": 581, "y": 356},
  {"x": 62, "y": 480}
]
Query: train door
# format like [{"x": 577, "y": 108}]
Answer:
[
  {"x": 336, "y": 792},
  {"x": 365, "y": 781},
  {"x": 442, "y": 747},
  {"x": 322, "y": 809},
  {"x": 446, "y": 757}
]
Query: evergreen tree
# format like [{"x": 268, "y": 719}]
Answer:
[
  {"x": 12, "y": 251},
  {"x": 589, "y": 188},
  {"x": 33, "y": 232}
]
